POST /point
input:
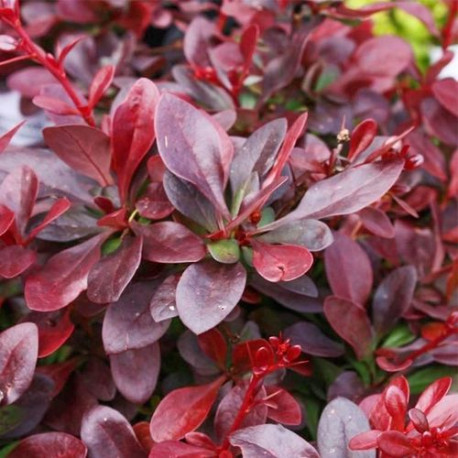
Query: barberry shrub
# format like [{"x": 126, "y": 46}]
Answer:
[{"x": 228, "y": 229}]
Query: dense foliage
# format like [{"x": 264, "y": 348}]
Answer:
[{"x": 227, "y": 229}]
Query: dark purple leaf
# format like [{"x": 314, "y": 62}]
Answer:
[
  {"x": 18, "y": 192},
  {"x": 393, "y": 297},
  {"x": 15, "y": 260},
  {"x": 135, "y": 372},
  {"x": 191, "y": 351},
  {"x": 110, "y": 276},
  {"x": 313, "y": 341},
  {"x": 377, "y": 222},
  {"x": 351, "y": 322},
  {"x": 207, "y": 292},
  {"x": 271, "y": 441},
  {"x": 194, "y": 147},
  {"x": 163, "y": 303},
  {"x": 349, "y": 191},
  {"x": 128, "y": 323},
  {"x": 170, "y": 242},
  {"x": 183, "y": 410},
  {"x": 281, "y": 262},
  {"x": 46, "y": 445},
  {"x": 85, "y": 149},
  {"x": 98, "y": 380},
  {"x": 63, "y": 277},
  {"x": 230, "y": 405},
  {"x": 154, "y": 204},
  {"x": 107, "y": 433},
  {"x": 18, "y": 357},
  {"x": 439, "y": 121},
  {"x": 340, "y": 421},
  {"x": 133, "y": 131},
  {"x": 348, "y": 270}
]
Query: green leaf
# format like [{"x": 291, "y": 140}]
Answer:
[
  {"x": 419, "y": 380},
  {"x": 399, "y": 336},
  {"x": 325, "y": 370},
  {"x": 10, "y": 418},
  {"x": 312, "y": 409},
  {"x": 110, "y": 246},
  {"x": 225, "y": 251}
]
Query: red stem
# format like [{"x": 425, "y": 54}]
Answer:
[{"x": 447, "y": 30}]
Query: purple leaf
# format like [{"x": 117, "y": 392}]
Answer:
[
  {"x": 63, "y": 277},
  {"x": 163, "y": 303},
  {"x": 97, "y": 378},
  {"x": 154, "y": 204},
  {"x": 281, "y": 262},
  {"x": 348, "y": 269},
  {"x": 135, "y": 372},
  {"x": 85, "y": 149},
  {"x": 377, "y": 222},
  {"x": 109, "y": 277},
  {"x": 393, "y": 297},
  {"x": 351, "y": 322},
  {"x": 194, "y": 147},
  {"x": 128, "y": 323},
  {"x": 46, "y": 445},
  {"x": 15, "y": 260},
  {"x": 313, "y": 341},
  {"x": 107, "y": 433},
  {"x": 207, "y": 292},
  {"x": 133, "y": 131},
  {"x": 446, "y": 93},
  {"x": 349, "y": 191},
  {"x": 170, "y": 242},
  {"x": 271, "y": 441},
  {"x": 18, "y": 357},
  {"x": 340, "y": 421}
]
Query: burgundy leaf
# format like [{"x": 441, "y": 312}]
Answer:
[
  {"x": 349, "y": 191},
  {"x": 109, "y": 277},
  {"x": 183, "y": 410},
  {"x": 351, "y": 322},
  {"x": 283, "y": 408},
  {"x": 348, "y": 269},
  {"x": 18, "y": 192},
  {"x": 230, "y": 405},
  {"x": 101, "y": 82},
  {"x": 446, "y": 92},
  {"x": 377, "y": 222},
  {"x": 59, "y": 207},
  {"x": 135, "y": 372},
  {"x": 18, "y": 356},
  {"x": 54, "y": 328},
  {"x": 133, "y": 131},
  {"x": 107, "y": 433},
  {"x": 52, "y": 444},
  {"x": 313, "y": 341},
  {"x": 154, "y": 204},
  {"x": 176, "y": 449},
  {"x": 361, "y": 137},
  {"x": 163, "y": 303},
  {"x": 281, "y": 262},
  {"x": 194, "y": 147},
  {"x": 170, "y": 242},
  {"x": 128, "y": 323},
  {"x": 6, "y": 138},
  {"x": 85, "y": 149},
  {"x": 272, "y": 441},
  {"x": 98, "y": 380},
  {"x": 207, "y": 292},
  {"x": 63, "y": 277},
  {"x": 6, "y": 219},
  {"x": 15, "y": 260},
  {"x": 393, "y": 297},
  {"x": 340, "y": 421},
  {"x": 214, "y": 345}
]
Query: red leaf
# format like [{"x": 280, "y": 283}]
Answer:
[
  {"x": 83, "y": 148},
  {"x": 364, "y": 441},
  {"x": 6, "y": 219},
  {"x": 351, "y": 322},
  {"x": 46, "y": 445},
  {"x": 109, "y": 277},
  {"x": 183, "y": 410},
  {"x": 283, "y": 407},
  {"x": 207, "y": 292},
  {"x": 135, "y": 372},
  {"x": 170, "y": 242},
  {"x": 15, "y": 260},
  {"x": 281, "y": 262},
  {"x": 107, "y": 433},
  {"x": 377, "y": 222},
  {"x": 101, "y": 82},
  {"x": 444, "y": 414},
  {"x": 214, "y": 345},
  {"x": 194, "y": 147},
  {"x": 446, "y": 92},
  {"x": 361, "y": 137},
  {"x": 54, "y": 328},
  {"x": 58, "y": 208},
  {"x": 396, "y": 405},
  {"x": 248, "y": 42},
  {"x": 348, "y": 269},
  {"x": 18, "y": 356},
  {"x": 63, "y": 277},
  {"x": 6, "y": 138},
  {"x": 243, "y": 354},
  {"x": 433, "y": 394},
  {"x": 62, "y": 54},
  {"x": 154, "y": 204},
  {"x": 55, "y": 106},
  {"x": 175, "y": 449},
  {"x": 133, "y": 132},
  {"x": 395, "y": 444}
]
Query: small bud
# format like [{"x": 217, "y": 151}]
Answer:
[{"x": 343, "y": 136}]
